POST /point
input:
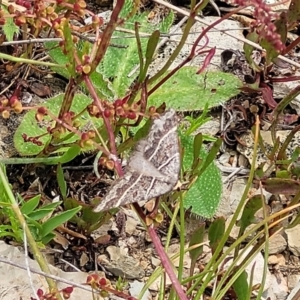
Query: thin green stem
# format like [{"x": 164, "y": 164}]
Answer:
[{"x": 29, "y": 61}]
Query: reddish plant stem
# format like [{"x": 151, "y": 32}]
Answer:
[
  {"x": 291, "y": 46},
  {"x": 207, "y": 60},
  {"x": 106, "y": 36},
  {"x": 105, "y": 39},
  {"x": 166, "y": 263},
  {"x": 68, "y": 98},
  {"x": 74, "y": 130},
  {"x": 139, "y": 211},
  {"x": 107, "y": 124},
  {"x": 285, "y": 79}
]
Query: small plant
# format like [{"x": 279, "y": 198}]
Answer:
[{"x": 42, "y": 231}]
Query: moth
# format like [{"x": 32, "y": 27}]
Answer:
[{"x": 153, "y": 167}]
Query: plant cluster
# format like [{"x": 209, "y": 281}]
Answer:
[{"x": 56, "y": 132}]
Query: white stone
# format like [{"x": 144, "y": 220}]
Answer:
[
  {"x": 279, "y": 287},
  {"x": 15, "y": 284},
  {"x": 293, "y": 239},
  {"x": 130, "y": 225},
  {"x": 272, "y": 260},
  {"x": 277, "y": 244},
  {"x": 292, "y": 280}
]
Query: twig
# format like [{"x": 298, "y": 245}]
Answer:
[
  {"x": 173, "y": 30},
  {"x": 31, "y": 41},
  {"x": 69, "y": 264},
  {"x": 236, "y": 171},
  {"x": 60, "y": 279},
  {"x": 146, "y": 35},
  {"x": 240, "y": 171},
  {"x": 77, "y": 167},
  {"x": 27, "y": 263}
]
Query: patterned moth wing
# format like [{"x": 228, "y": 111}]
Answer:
[{"x": 153, "y": 168}]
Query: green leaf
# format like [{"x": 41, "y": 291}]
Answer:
[
  {"x": 167, "y": 22},
  {"x": 216, "y": 232},
  {"x": 198, "y": 144},
  {"x": 188, "y": 91},
  {"x": 44, "y": 211},
  {"x": 58, "y": 220},
  {"x": 49, "y": 237},
  {"x": 32, "y": 128},
  {"x": 281, "y": 186},
  {"x": 69, "y": 155},
  {"x": 248, "y": 49},
  {"x": 111, "y": 77},
  {"x": 61, "y": 181},
  {"x": 211, "y": 155},
  {"x": 56, "y": 54},
  {"x": 5, "y": 232},
  {"x": 197, "y": 238},
  {"x": 196, "y": 123},
  {"x": 205, "y": 194},
  {"x": 35, "y": 227},
  {"x": 241, "y": 287},
  {"x": 9, "y": 27},
  {"x": 151, "y": 47},
  {"x": 248, "y": 216},
  {"x": 30, "y": 205}
]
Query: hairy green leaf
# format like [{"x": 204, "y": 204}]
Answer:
[
  {"x": 117, "y": 71},
  {"x": 119, "y": 63},
  {"x": 189, "y": 91},
  {"x": 205, "y": 194}
]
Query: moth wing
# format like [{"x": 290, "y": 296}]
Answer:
[
  {"x": 157, "y": 188},
  {"x": 124, "y": 190}
]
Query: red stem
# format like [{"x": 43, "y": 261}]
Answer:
[
  {"x": 74, "y": 130},
  {"x": 107, "y": 33},
  {"x": 166, "y": 263},
  {"x": 107, "y": 124}
]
